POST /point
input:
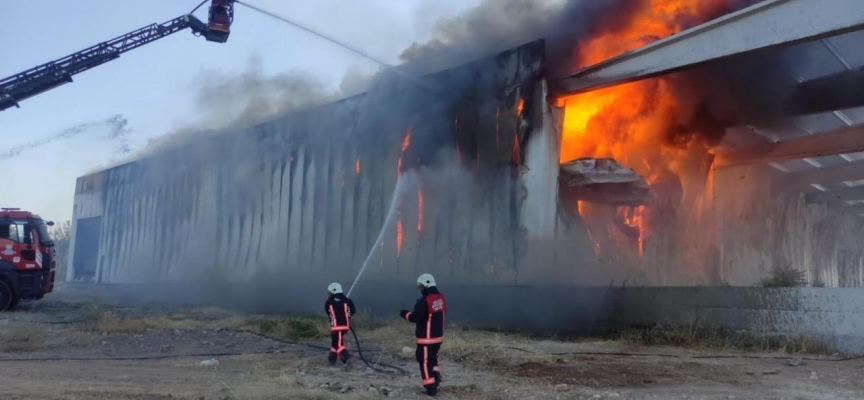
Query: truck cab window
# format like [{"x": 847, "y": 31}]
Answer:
[{"x": 16, "y": 231}]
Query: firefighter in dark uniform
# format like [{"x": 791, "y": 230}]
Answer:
[
  {"x": 339, "y": 309},
  {"x": 428, "y": 315}
]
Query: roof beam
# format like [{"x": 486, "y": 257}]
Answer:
[
  {"x": 857, "y": 209},
  {"x": 766, "y": 25},
  {"x": 837, "y": 196},
  {"x": 797, "y": 181},
  {"x": 837, "y": 91},
  {"x": 840, "y": 141}
]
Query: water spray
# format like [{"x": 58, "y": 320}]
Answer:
[
  {"x": 397, "y": 191},
  {"x": 350, "y": 48},
  {"x": 117, "y": 131}
]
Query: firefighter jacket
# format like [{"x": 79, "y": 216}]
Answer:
[
  {"x": 340, "y": 309},
  {"x": 428, "y": 315}
]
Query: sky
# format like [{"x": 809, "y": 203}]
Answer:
[{"x": 154, "y": 87}]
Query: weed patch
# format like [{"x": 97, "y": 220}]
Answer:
[
  {"x": 19, "y": 339},
  {"x": 293, "y": 327}
]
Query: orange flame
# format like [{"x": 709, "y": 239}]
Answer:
[
  {"x": 357, "y": 166},
  {"x": 631, "y": 122},
  {"x": 520, "y": 106},
  {"x": 399, "y": 234},
  {"x": 406, "y": 142}
]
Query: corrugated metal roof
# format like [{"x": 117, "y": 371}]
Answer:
[{"x": 809, "y": 61}]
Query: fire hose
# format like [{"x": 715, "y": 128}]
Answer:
[{"x": 394, "y": 370}]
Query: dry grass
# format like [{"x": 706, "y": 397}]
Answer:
[
  {"x": 107, "y": 322},
  {"x": 69, "y": 338},
  {"x": 20, "y": 338},
  {"x": 292, "y": 327},
  {"x": 694, "y": 335}
]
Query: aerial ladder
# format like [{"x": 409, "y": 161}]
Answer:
[{"x": 45, "y": 77}]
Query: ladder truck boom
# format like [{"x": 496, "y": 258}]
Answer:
[{"x": 40, "y": 79}]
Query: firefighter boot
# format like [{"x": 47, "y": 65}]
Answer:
[
  {"x": 332, "y": 359},
  {"x": 432, "y": 390},
  {"x": 345, "y": 356},
  {"x": 437, "y": 376}
]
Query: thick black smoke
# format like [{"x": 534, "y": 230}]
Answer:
[
  {"x": 117, "y": 132},
  {"x": 497, "y": 25}
]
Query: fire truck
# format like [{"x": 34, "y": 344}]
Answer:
[{"x": 26, "y": 257}]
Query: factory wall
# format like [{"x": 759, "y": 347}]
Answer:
[
  {"x": 307, "y": 194},
  {"x": 761, "y": 235}
]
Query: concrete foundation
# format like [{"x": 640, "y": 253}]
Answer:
[{"x": 832, "y": 317}]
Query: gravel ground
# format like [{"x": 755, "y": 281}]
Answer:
[{"x": 70, "y": 347}]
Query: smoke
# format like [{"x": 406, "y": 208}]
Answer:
[
  {"x": 231, "y": 101},
  {"x": 117, "y": 132},
  {"x": 497, "y": 25},
  {"x": 232, "y": 98}
]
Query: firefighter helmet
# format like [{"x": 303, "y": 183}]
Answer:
[
  {"x": 426, "y": 280},
  {"x": 334, "y": 288}
]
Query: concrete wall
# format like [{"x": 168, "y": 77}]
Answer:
[{"x": 834, "y": 317}]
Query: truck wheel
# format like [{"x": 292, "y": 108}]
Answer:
[{"x": 5, "y": 296}]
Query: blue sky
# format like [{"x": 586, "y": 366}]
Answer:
[{"x": 153, "y": 87}]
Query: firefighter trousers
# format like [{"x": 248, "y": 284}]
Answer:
[
  {"x": 337, "y": 346},
  {"x": 427, "y": 357}
]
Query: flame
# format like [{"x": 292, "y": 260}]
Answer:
[
  {"x": 520, "y": 106},
  {"x": 406, "y": 142},
  {"x": 357, "y": 166},
  {"x": 633, "y": 123},
  {"x": 635, "y": 218},
  {"x": 399, "y": 233}
]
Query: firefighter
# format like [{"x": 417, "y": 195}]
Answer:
[
  {"x": 339, "y": 309},
  {"x": 428, "y": 315}
]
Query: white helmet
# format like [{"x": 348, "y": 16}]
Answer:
[
  {"x": 334, "y": 288},
  {"x": 426, "y": 280}
]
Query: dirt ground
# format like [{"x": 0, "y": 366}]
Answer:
[{"x": 74, "y": 346}]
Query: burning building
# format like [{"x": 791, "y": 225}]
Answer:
[{"x": 507, "y": 172}]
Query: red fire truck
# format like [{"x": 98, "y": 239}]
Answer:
[{"x": 26, "y": 257}]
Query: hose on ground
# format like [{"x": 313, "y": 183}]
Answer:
[{"x": 396, "y": 370}]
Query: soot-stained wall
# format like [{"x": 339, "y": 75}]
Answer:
[{"x": 305, "y": 196}]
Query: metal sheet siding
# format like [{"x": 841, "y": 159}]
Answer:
[{"x": 286, "y": 195}]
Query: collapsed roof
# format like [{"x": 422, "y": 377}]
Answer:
[{"x": 603, "y": 180}]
